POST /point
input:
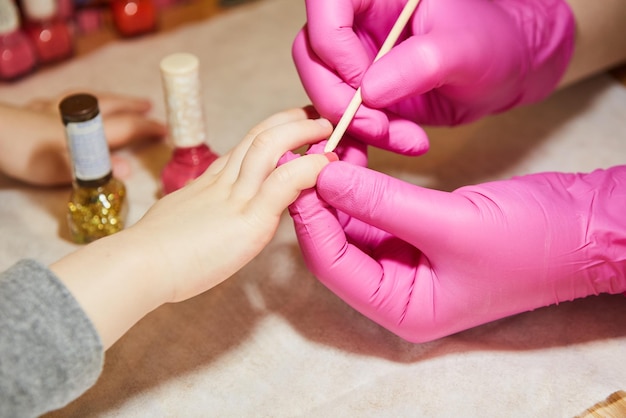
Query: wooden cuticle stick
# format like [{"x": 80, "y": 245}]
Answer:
[{"x": 353, "y": 106}]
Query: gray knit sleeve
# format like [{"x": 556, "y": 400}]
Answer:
[{"x": 50, "y": 352}]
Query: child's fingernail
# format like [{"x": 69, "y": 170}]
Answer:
[
  {"x": 324, "y": 122},
  {"x": 331, "y": 156}
]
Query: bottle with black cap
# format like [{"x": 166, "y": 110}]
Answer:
[{"x": 97, "y": 205}]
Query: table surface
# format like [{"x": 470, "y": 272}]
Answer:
[{"x": 272, "y": 341}]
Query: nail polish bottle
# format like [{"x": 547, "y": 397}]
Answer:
[
  {"x": 89, "y": 19},
  {"x": 66, "y": 10},
  {"x": 165, "y": 4},
  {"x": 97, "y": 205},
  {"x": 191, "y": 155},
  {"x": 51, "y": 34},
  {"x": 17, "y": 53},
  {"x": 134, "y": 17}
]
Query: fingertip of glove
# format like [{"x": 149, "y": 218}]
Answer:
[
  {"x": 407, "y": 138},
  {"x": 369, "y": 123},
  {"x": 332, "y": 172}
]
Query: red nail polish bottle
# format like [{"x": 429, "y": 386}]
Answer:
[
  {"x": 51, "y": 34},
  {"x": 191, "y": 155},
  {"x": 17, "y": 54},
  {"x": 134, "y": 17}
]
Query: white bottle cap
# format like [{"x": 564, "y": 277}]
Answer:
[
  {"x": 181, "y": 84},
  {"x": 9, "y": 19},
  {"x": 40, "y": 9}
]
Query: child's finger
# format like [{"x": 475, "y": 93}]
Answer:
[
  {"x": 284, "y": 184},
  {"x": 267, "y": 148}
]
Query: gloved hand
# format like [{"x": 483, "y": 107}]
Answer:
[
  {"x": 457, "y": 61},
  {"x": 426, "y": 264}
]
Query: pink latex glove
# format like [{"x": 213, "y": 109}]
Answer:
[
  {"x": 425, "y": 263},
  {"x": 458, "y": 60}
]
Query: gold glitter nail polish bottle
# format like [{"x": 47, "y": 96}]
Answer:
[{"x": 97, "y": 205}]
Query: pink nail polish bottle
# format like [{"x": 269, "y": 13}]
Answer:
[
  {"x": 185, "y": 117},
  {"x": 66, "y": 9},
  {"x": 89, "y": 19},
  {"x": 17, "y": 54},
  {"x": 51, "y": 35}
]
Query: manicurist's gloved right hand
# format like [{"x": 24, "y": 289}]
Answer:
[
  {"x": 425, "y": 263},
  {"x": 457, "y": 61}
]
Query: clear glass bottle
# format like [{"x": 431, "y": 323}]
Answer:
[
  {"x": 97, "y": 205},
  {"x": 185, "y": 118}
]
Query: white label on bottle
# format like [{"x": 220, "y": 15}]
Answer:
[
  {"x": 9, "y": 20},
  {"x": 89, "y": 149}
]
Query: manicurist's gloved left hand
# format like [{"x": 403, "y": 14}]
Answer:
[{"x": 425, "y": 263}]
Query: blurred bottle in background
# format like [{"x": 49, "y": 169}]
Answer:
[
  {"x": 134, "y": 17},
  {"x": 51, "y": 34},
  {"x": 89, "y": 15},
  {"x": 17, "y": 53},
  {"x": 66, "y": 10}
]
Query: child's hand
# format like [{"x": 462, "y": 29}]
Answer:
[
  {"x": 32, "y": 140},
  {"x": 208, "y": 230},
  {"x": 125, "y": 117},
  {"x": 195, "y": 238}
]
